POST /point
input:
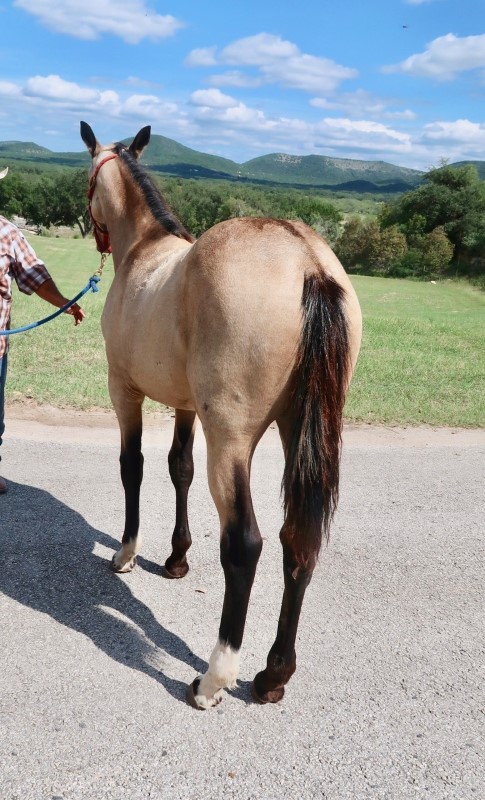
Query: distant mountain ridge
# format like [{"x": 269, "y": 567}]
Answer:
[{"x": 171, "y": 158}]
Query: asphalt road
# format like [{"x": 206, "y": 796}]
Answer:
[{"x": 388, "y": 697}]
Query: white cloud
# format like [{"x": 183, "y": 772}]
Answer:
[
  {"x": 375, "y": 133},
  {"x": 108, "y": 99},
  {"x": 231, "y": 115},
  {"x": 354, "y": 103},
  {"x": 212, "y": 98},
  {"x": 277, "y": 61},
  {"x": 261, "y": 49},
  {"x": 213, "y": 121},
  {"x": 55, "y": 88},
  {"x": 458, "y": 140},
  {"x": 131, "y": 20},
  {"x": 132, "y": 80},
  {"x": 407, "y": 114},
  {"x": 235, "y": 78},
  {"x": 203, "y": 57},
  {"x": 54, "y": 92},
  {"x": 362, "y": 104},
  {"x": 147, "y": 107},
  {"x": 7, "y": 88},
  {"x": 462, "y": 130},
  {"x": 221, "y": 118},
  {"x": 445, "y": 58}
]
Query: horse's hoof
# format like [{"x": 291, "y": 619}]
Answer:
[
  {"x": 123, "y": 567},
  {"x": 200, "y": 702},
  {"x": 272, "y": 696},
  {"x": 174, "y": 573}
]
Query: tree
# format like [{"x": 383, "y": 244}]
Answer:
[
  {"x": 60, "y": 200},
  {"x": 352, "y": 246},
  {"x": 366, "y": 245},
  {"x": 14, "y": 195},
  {"x": 437, "y": 252},
  {"x": 323, "y": 217},
  {"x": 451, "y": 199},
  {"x": 386, "y": 248},
  {"x": 202, "y": 204}
]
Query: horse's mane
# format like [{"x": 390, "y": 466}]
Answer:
[{"x": 154, "y": 200}]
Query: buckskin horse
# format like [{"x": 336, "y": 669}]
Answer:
[{"x": 254, "y": 322}]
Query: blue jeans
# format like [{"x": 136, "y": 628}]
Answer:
[{"x": 3, "y": 378}]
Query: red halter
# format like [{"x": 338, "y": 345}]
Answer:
[{"x": 101, "y": 234}]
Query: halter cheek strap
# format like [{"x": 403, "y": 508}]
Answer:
[{"x": 101, "y": 234}]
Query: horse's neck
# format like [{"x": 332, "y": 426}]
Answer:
[
  {"x": 124, "y": 236},
  {"x": 143, "y": 243},
  {"x": 132, "y": 227},
  {"x": 128, "y": 228}
]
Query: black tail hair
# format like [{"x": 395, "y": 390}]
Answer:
[{"x": 310, "y": 483}]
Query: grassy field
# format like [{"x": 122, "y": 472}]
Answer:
[{"x": 422, "y": 358}]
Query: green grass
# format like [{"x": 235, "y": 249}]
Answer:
[
  {"x": 422, "y": 357},
  {"x": 60, "y": 363},
  {"x": 421, "y": 360}
]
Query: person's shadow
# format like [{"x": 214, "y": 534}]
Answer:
[{"x": 48, "y": 564}]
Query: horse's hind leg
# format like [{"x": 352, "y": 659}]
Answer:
[
  {"x": 299, "y": 557},
  {"x": 268, "y": 686},
  {"x": 181, "y": 466},
  {"x": 128, "y": 410},
  {"x": 240, "y": 548}
]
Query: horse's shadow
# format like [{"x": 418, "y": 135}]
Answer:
[{"x": 49, "y": 565}]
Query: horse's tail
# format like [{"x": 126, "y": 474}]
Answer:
[{"x": 322, "y": 372}]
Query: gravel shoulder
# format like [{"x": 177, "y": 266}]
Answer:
[
  {"x": 48, "y": 423},
  {"x": 387, "y": 700}
]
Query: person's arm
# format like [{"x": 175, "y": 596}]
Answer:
[
  {"x": 48, "y": 291},
  {"x": 31, "y": 275}
]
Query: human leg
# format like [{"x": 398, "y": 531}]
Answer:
[{"x": 3, "y": 377}]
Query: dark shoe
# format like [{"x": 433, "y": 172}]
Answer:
[{"x": 3, "y": 485}]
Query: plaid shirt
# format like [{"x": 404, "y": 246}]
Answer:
[{"x": 17, "y": 260}]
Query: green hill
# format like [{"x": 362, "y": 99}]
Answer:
[
  {"x": 166, "y": 155},
  {"x": 323, "y": 170},
  {"x": 480, "y": 167},
  {"x": 171, "y": 158},
  {"x": 22, "y": 150}
]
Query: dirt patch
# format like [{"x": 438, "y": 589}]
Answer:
[
  {"x": 72, "y": 417},
  {"x": 48, "y": 423}
]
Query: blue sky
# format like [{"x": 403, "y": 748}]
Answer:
[{"x": 396, "y": 80}]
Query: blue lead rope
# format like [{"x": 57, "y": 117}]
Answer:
[{"x": 91, "y": 285}]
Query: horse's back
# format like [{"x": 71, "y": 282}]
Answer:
[{"x": 252, "y": 256}]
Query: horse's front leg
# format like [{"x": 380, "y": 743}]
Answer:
[
  {"x": 181, "y": 466},
  {"x": 128, "y": 410}
]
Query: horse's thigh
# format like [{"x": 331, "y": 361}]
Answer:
[
  {"x": 127, "y": 403},
  {"x": 228, "y": 473}
]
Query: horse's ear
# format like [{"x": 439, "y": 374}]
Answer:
[
  {"x": 140, "y": 141},
  {"x": 89, "y": 138}
]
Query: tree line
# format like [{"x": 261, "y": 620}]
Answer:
[
  {"x": 50, "y": 200},
  {"x": 60, "y": 199},
  {"x": 435, "y": 230}
]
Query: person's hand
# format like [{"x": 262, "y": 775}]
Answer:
[{"x": 76, "y": 312}]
